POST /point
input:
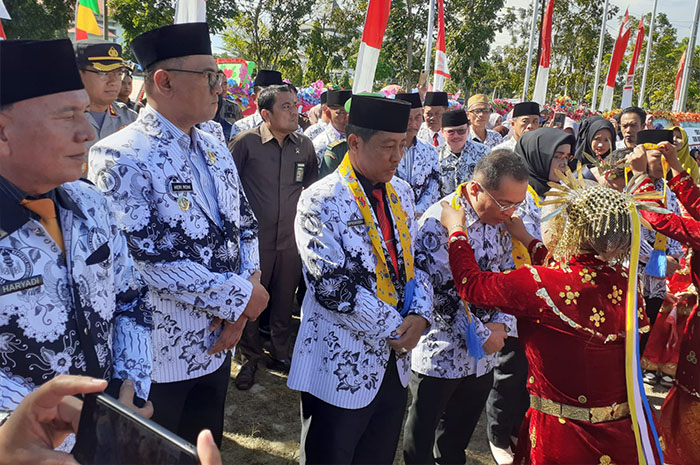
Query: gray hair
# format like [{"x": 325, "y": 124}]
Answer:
[{"x": 499, "y": 164}]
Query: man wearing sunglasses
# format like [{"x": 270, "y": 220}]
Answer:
[
  {"x": 459, "y": 154},
  {"x": 177, "y": 195},
  {"x": 102, "y": 69}
]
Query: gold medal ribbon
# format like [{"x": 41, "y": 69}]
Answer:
[{"x": 386, "y": 290}]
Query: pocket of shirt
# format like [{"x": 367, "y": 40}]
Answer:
[{"x": 99, "y": 255}]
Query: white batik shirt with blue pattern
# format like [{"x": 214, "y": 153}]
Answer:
[{"x": 419, "y": 167}]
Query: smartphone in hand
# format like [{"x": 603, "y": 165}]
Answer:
[{"x": 110, "y": 433}]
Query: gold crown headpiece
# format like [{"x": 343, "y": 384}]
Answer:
[{"x": 595, "y": 218}]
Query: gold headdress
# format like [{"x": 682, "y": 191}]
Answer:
[{"x": 595, "y": 218}]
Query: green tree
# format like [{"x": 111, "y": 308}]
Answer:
[
  {"x": 45, "y": 20},
  {"x": 267, "y": 32},
  {"x": 137, "y": 16}
]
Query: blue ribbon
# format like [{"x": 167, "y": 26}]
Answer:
[
  {"x": 408, "y": 296},
  {"x": 657, "y": 264}
]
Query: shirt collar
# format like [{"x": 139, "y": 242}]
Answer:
[
  {"x": 179, "y": 135},
  {"x": 266, "y": 135},
  {"x": 13, "y": 216},
  {"x": 367, "y": 185},
  {"x": 469, "y": 213}
]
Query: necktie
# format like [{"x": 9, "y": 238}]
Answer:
[
  {"x": 435, "y": 139},
  {"x": 46, "y": 210},
  {"x": 387, "y": 230}
]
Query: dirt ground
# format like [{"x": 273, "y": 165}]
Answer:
[{"x": 262, "y": 426}]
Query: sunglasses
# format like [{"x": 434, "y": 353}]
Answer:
[{"x": 451, "y": 132}]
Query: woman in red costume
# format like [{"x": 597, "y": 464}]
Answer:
[
  {"x": 571, "y": 319},
  {"x": 680, "y": 414}
]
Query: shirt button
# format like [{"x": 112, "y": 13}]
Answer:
[
  {"x": 85, "y": 331},
  {"x": 582, "y": 399}
]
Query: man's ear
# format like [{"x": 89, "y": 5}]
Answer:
[
  {"x": 162, "y": 81},
  {"x": 353, "y": 143},
  {"x": 4, "y": 142},
  {"x": 265, "y": 114}
]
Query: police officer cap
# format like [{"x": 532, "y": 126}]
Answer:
[
  {"x": 173, "y": 41},
  {"x": 378, "y": 113},
  {"x": 454, "y": 118},
  {"x": 526, "y": 109},
  {"x": 435, "y": 99},
  {"x": 336, "y": 98},
  {"x": 413, "y": 99},
  {"x": 100, "y": 54},
  {"x": 654, "y": 136},
  {"x": 23, "y": 69},
  {"x": 267, "y": 77}
]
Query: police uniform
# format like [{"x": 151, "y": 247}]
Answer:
[
  {"x": 71, "y": 301},
  {"x": 193, "y": 236},
  {"x": 335, "y": 152},
  {"x": 353, "y": 385},
  {"x": 104, "y": 56}
]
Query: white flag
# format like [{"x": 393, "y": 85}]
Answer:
[
  {"x": 3, "y": 11},
  {"x": 190, "y": 11}
]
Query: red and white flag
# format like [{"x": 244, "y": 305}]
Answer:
[
  {"x": 679, "y": 82},
  {"x": 190, "y": 11},
  {"x": 623, "y": 37},
  {"x": 539, "y": 95},
  {"x": 3, "y": 15},
  {"x": 629, "y": 82},
  {"x": 372, "y": 37},
  {"x": 441, "y": 71}
]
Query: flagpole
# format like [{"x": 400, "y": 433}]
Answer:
[
  {"x": 690, "y": 51},
  {"x": 105, "y": 22},
  {"x": 429, "y": 43},
  {"x": 528, "y": 69},
  {"x": 601, "y": 43},
  {"x": 642, "y": 88}
]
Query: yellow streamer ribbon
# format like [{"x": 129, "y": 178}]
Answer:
[{"x": 386, "y": 290}]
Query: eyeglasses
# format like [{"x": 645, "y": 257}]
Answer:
[
  {"x": 215, "y": 78},
  {"x": 503, "y": 208},
  {"x": 114, "y": 75},
  {"x": 480, "y": 111},
  {"x": 451, "y": 132}
]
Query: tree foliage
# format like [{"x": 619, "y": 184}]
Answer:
[
  {"x": 45, "y": 20},
  {"x": 137, "y": 16}
]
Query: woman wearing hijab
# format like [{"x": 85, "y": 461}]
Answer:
[
  {"x": 596, "y": 137},
  {"x": 544, "y": 150},
  {"x": 689, "y": 164}
]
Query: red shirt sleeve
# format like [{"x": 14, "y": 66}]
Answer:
[{"x": 491, "y": 290}]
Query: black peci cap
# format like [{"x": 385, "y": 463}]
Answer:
[
  {"x": 267, "y": 77},
  {"x": 435, "y": 99},
  {"x": 173, "y": 41},
  {"x": 526, "y": 109},
  {"x": 23, "y": 69},
  {"x": 454, "y": 118},
  {"x": 413, "y": 99},
  {"x": 337, "y": 98},
  {"x": 378, "y": 113}
]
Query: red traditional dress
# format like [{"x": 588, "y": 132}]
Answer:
[
  {"x": 663, "y": 349},
  {"x": 571, "y": 319},
  {"x": 680, "y": 414}
]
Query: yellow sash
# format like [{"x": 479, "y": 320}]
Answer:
[
  {"x": 521, "y": 256},
  {"x": 386, "y": 290}
]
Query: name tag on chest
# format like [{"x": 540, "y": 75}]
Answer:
[
  {"x": 299, "y": 168},
  {"x": 21, "y": 285},
  {"x": 181, "y": 186},
  {"x": 357, "y": 222}
]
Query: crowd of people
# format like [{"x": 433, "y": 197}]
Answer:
[{"x": 477, "y": 262}]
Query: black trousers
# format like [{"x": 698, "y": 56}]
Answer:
[
  {"x": 187, "y": 407},
  {"x": 369, "y": 435},
  {"x": 442, "y": 417},
  {"x": 281, "y": 270},
  {"x": 652, "y": 306},
  {"x": 508, "y": 400}
]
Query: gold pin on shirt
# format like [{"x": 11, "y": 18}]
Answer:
[
  {"x": 184, "y": 203},
  {"x": 212, "y": 157}
]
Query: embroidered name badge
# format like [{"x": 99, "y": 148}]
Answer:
[
  {"x": 181, "y": 186},
  {"x": 21, "y": 285},
  {"x": 299, "y": 171},
  {"x": 357, "y": 222}
]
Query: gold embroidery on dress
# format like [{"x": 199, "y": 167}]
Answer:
[
  {"x": 692, "y": 358},
  {"x": 606, "y": 460},
  {"x": 569, "y": 296},
  {"x": 598, "y": 317},
  {"x": 587, "y": 276},
  {"x": 616, "y": 295},
  {"x": 533, "y": 440}
]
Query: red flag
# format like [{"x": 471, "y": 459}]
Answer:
[
  {"x": 618, "y": 53},
  {"x": 679, "y": 82},
  {"x": 441, "y": 70},
  {"x": 372, "y": 37},
  {"x": 629, "y": 82},
  {"x": 2, "y": 32},
  {"x": 539, "y": 95}
]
